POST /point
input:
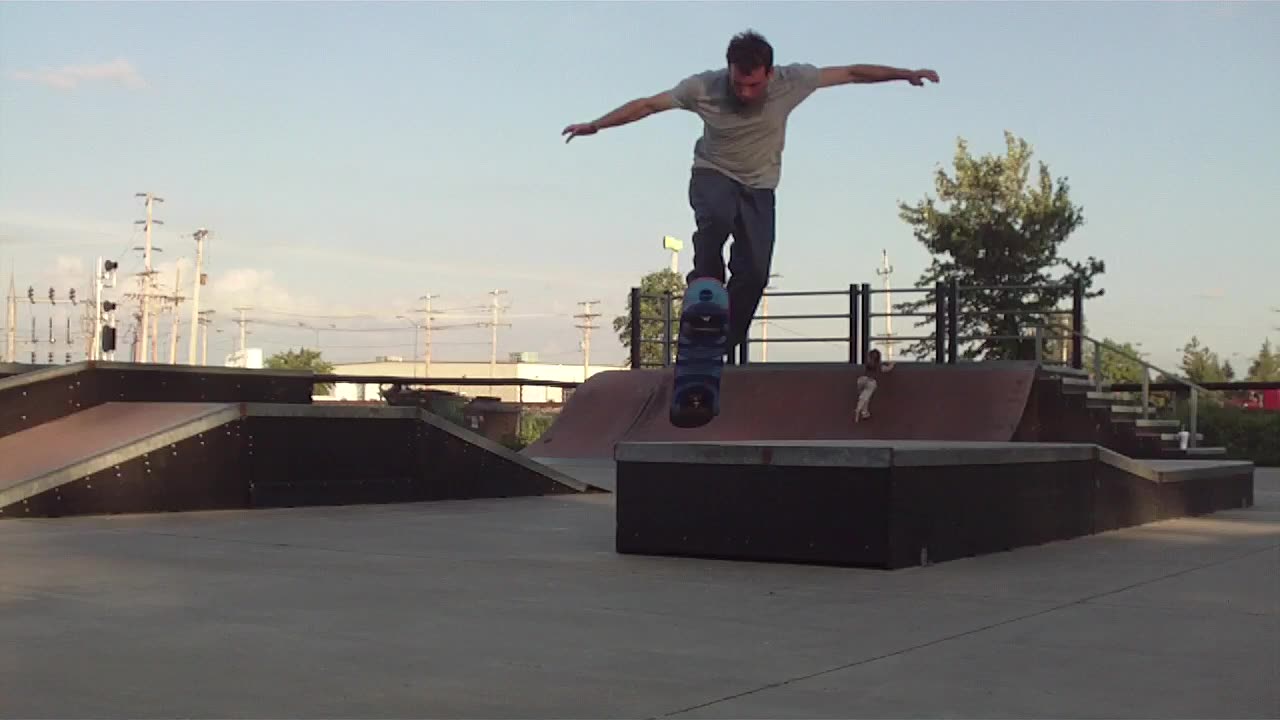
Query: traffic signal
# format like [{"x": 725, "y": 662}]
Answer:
[
  {"x": 108, "y": 306},
  {"x": 108, "y": 339},
  {"x": 71, "y": 294},
  {"x": 31, "y": 294},
  {"x": 109, "y": 265},
  {"x": 51, "y": 300}
]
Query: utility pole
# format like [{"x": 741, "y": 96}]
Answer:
[
  {"x": 588, "y": 324},
  {"x": 199, "y": 280},
  {"x": 417, "y": 326},
  {"x": 11, "y": 323},
  {"x": 764, "y": 320},
  {"x": 205, "y": 322},
  {"x": 151, "y": 200},
  {"x": 242, "y": 322},
  {"x": 885, "y": 271},
  {"x": 493, "y": 325},
  {"x": 426, "y": 342},
  {"x": 173, "y": 332}
]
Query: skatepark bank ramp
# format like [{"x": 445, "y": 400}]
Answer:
[
  {"x": 174, "y": 456},
  {"x": 979, "y": 402}
]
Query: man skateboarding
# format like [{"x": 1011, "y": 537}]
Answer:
[{"x": 737, "y": 162}]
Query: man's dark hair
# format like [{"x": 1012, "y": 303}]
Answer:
[{"x": 749, "y": 50}]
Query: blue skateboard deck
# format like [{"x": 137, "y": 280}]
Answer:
[{"x": 701, "y": 347}]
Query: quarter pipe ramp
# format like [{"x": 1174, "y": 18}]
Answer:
[{"x": 978, "y": 403}]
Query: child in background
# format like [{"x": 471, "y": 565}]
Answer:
[{"x": 867, "y": 384}]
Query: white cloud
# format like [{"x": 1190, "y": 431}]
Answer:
[
  {"x": 69, "y": 77},
  {"x": 249, "y": 287}
]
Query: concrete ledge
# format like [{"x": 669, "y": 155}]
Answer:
[
  {"x": 896, "y": 504},
  {"x": 1166, "y": 471},
  {"x": 851, "y": 453}
]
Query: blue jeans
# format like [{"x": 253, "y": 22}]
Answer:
[{"x": 723, "y": 207}]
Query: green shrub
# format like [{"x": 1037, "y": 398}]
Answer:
[
  {"x": 1247, "y": 434},
  {"x": 532, "y": 425}
]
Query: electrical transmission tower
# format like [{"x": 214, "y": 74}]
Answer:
[{"x": 586, "y": 326}]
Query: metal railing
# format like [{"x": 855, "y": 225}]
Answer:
[
  {"x": 1099, "y": 383},
  {"x": 946, "y": 315}
]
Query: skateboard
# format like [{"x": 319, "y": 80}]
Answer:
[{"x": 700, "y": 352}]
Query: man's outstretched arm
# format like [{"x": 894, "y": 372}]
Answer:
[
  {"x": 844, "y": 74},
  {"x": 623, "y": 114}
]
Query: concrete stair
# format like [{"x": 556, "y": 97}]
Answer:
[{"x": 1132, "y": 431}]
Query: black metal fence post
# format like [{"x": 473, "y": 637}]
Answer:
[
  {"x": 866, "y": 321},
  {"x": 953, "y": 321},
  {"x": 853, "y": 323},
  {"x": 1077, "y": 323},
  {"x": 939, "y": 322},
  {"x": 636, "y": 341},
  {"x": 666, "y": 329}
]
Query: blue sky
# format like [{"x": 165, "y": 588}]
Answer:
[{"x": 350, "y": 157}]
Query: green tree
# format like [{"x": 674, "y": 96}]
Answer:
[
  {"x": 1117, "y": 368},
  {"x": 653, "y": 288},
  {"x": 993, "y": 225},
  {"x": 1266, "y": 366},
  {"x": 302, "y": 359},
  {"x": 1202, "y": 365}
]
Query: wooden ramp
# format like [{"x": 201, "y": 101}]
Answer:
[{"x": 974, "y": 402}]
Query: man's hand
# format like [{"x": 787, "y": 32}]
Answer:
[
  {"x": 626, "y": 113},
  {"x": 919, "y": 76},
  {"x": 574, "y": 131}
]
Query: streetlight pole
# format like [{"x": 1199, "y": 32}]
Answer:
[{"x": 675, "y": 245}]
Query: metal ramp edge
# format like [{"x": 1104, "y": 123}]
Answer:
[
  {"x": 1165, "y": 471},
  {"x": 216, "y": 417}
]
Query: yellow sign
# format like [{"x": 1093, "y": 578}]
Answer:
[{"x": 671, "y": 243}]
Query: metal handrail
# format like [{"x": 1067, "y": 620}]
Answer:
[{"x": 1100, "y": 345}]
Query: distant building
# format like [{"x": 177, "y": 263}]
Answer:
[
  {"x": 518, "y": 365},
  {"x": 250, "y": 358}
]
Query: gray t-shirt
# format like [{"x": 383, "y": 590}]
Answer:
[{"x": 744, "y": 143}]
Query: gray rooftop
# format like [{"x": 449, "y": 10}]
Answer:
[{"x": 521, "y": 608}]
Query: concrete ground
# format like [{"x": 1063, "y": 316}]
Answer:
[{"x": 520, "y": 608}]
